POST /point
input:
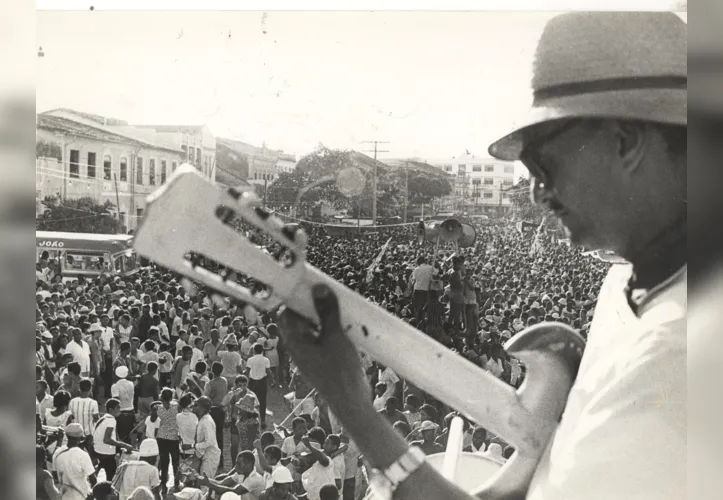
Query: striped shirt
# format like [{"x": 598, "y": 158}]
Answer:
[{"x": 84, "y": 410}]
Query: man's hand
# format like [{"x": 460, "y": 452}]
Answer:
[{"x": 329, "y": 361}]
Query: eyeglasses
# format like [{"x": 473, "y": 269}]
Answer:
[{"x": 532, "y": 159}]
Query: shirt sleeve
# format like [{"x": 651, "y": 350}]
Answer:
[
  {"x": 114, "y": 391},
  {"x": 87, "y": 465}
]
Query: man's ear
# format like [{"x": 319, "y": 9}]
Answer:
[{"x": 631, "y": 140}]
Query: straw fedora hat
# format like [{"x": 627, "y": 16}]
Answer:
[{"x": 630, "y": 65}]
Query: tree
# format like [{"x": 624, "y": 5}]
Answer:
[
  {"x": 523, "y": 205},
  {"x": 81, "y": 215}
]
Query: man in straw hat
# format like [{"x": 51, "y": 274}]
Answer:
[{"x": 605, "y": 141}]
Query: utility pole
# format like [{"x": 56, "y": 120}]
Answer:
[
  {"x": 374, "y": 181},
  {"x": 117, "y": 200},
  {"x": 406, "y": 190},
  {"x": 266, "y": 188}
]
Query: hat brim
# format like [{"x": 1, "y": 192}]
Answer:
[{"x": 668, "y": 106}]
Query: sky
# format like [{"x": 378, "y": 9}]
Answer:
[{"x": 431, "y": 84}]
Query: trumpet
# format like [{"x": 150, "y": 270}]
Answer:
[{"x": 526, "y": 418}]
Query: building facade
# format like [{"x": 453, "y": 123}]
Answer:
[
  {"x": 286, "y": 163},
  {"x": 262, "y": 161},
  {"x": 82, "y": 155},
  {"x": 196, "y": 141},
  {"x": 480, "y": 184}
]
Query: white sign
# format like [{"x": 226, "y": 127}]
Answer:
[{"x": 51, "y": 244}]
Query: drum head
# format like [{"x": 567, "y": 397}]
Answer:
[{"x": 473, "y": 470}]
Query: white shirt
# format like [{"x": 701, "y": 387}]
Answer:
[
  {"x": 133, "y": 474},
  {"x": 152, "y": 427},
  {"x": 390, "y": 378},
  {"x": 81, "y": 354},
  {"x": 254, "y": 483},
  {"x": 187, "y": 422},
  {"x": 257, "y": 365},
  {"x": 106, "y": 337},
  {"x": 623, "y": 433},
  {"x": 316, "y": 477},
  {"x": 73, "y": 467},
  {"x": 106, "y": 422},
  {"x": 123, "y": 391},
  {"x": 206, "y": 435},
  {"x": 422, "y": 277}
]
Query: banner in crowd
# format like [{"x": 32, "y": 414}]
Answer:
[
  {"x": 377, "y": 261},
  {"x": 536, "y": 247}
]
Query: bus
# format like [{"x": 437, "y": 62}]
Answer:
[{"x": 87, "y": 254}]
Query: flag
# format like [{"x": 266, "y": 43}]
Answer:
[{"x": 376, "y": 261}]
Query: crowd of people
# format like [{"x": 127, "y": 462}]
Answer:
[{"x": 146, "y": 380}]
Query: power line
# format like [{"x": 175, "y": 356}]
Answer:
[{"x": 374, "y": 183}]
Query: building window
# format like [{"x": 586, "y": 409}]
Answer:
[
  {"x": 488, "y": 195},
  {"x": 74, "y": 166},
  {"x": 139, "y": 212},
  {"x": 123, "y": 169},
  {"x": 461, "y": 167},
  {"x": 174, "y": 165},
  {"x": 152, "y": 171},
  {"x": 476, "y": 182},
  {"x": 476, "y": 168},
  {"x": 509, "y": 169},
  {"x": 489, "y": 168},
  {"x": 507, "y": 183},
  {"x": 488, "y": 181},
  {"x": 198, "y": 156},
  {"x": 139, "y": 171},
  {"x": 91, "y": 165},
  {"x": 163, "y": 171},
  {"x": 448, "y": 168},
  {"x": 107, "y": 168}
]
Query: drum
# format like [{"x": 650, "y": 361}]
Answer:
[{"x": 473, "y": 470}]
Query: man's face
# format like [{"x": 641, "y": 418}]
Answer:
[
  {"x": 300, "y": 429},
  {"x": 77, "y": 336},
  {"x": 583, "y": 182}
]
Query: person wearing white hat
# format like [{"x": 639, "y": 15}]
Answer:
[
  {"x": 124, "y": 390},
  {"x": 143, "y": 472},
  {"x": 605, "y": 142},
  {"x": 73, "y": 465}
]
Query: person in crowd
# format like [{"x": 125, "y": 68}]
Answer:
[
  {"x": 259, "y": 374},
  {"x": 206, "y": 446},
  {"x": 168, "y": 438},
  {"x": 320, "y": 471},
  {"x": 280, "y": 488},
  {"x": 85, "y": 410},
  {"x": 45, "y": 488},
  {"x": 142, "y": 473},
  {"x": 241, "y": 480},
  {"x": 76, "y": 474},
  {"x": 187, "y": 422}
]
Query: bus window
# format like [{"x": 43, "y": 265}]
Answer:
[
  {"x": 77, "y": 261},
  {"x": 125, "y": 263}
]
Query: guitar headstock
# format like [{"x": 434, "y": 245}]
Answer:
[{"x": 189, "y": 216}]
